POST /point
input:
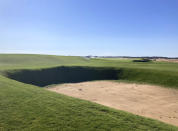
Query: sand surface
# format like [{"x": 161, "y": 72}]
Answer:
[
  {"x": 145, "y": 100},
  {"x": 167, "y": 60}
]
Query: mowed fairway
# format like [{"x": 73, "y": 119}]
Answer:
[
  {"x": 145, "y": 100},
  {"x": 26, "y": 105}
]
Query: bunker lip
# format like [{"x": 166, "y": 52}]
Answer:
[
  {"x": 74, "y": 74},
  {"x": 63, "y": 74},
  {"x": 145, "y": 100}
]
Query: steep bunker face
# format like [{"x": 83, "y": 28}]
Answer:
[{"x": 58, "y": 75}]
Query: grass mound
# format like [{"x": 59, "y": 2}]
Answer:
[
  {"x": 163, "y": 78},
  {"x": 21, "y": 61}
]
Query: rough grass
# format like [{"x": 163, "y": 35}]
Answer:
[
  {"x": 28, "y": 107},
  {"x": 163, "y": 78}
]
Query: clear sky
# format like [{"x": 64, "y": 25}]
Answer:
[{"x": 89, "y": 27}]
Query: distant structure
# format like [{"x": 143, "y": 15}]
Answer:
[
  {"x": 90, "y": 56},
  {"x": 145, "y": 57}
]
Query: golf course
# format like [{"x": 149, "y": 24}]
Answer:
[
  {"x": 88, "y": 65},
  {"x": 73, "y": 93}
]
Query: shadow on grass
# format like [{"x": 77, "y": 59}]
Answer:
[
  {"x": 74, "y": 74},
  {"x": 58, "y": 75}
]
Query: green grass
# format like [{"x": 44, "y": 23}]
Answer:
[
  {"x": 22, "y": 61},
  {"x": 28, "y": 107},
  {"x": 127, "y": 63},
  {"x": 18, "y": 61}
]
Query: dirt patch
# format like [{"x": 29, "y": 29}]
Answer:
[
  {"x": 145, "y": 100},
  {"x": 167, "y": 60}
]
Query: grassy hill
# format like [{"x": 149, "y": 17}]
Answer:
[
  {"x": 29, "y": 107},
  {"x": 22, "y": 61},
  {"x": 18, "y": 61}
]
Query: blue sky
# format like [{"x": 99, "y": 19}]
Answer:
[{"x": 89, "y": 27}]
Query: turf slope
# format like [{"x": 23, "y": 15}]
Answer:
[{"x": 28, "y": 107}]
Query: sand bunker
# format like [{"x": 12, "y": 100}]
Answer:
[
  {"x": 145, "y": 100},
  {"x": 167, "y": 60}
]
